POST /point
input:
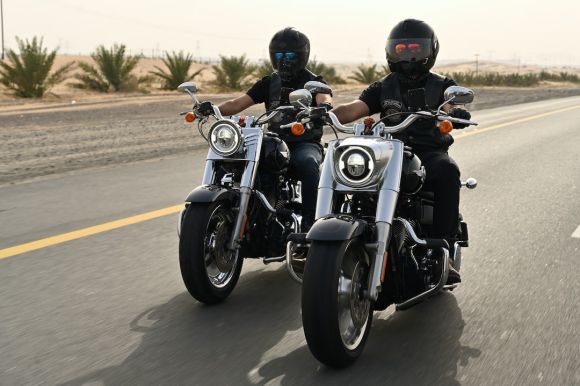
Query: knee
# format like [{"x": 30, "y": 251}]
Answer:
[
  {"x": 306, "y": 162},
  {"x": 447, "y": 169}
]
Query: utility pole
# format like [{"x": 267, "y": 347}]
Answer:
[
  {"x": 476, "y": 64},
  {"x": 2, "y": 27}
]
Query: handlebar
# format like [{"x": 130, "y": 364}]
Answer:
[
  {"x": 401, "y": 126},
  {"x": 334, "y": 122}
]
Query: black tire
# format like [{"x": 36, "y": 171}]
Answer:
[
  {"x": 320, "y": 302},
  {"x": 198, "y": 223}
]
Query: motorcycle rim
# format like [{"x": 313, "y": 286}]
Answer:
[
  {"x": 353, "y": 309},
  {"x": 220, "y": 262}
]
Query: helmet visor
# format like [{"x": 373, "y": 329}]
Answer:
[
  {"x": 408, "y": 50},
  {"x": 285, "y": 55}
]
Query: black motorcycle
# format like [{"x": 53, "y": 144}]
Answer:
[
  {"x": 247, "y": 204},
  {"x": 369, "y": 247}
]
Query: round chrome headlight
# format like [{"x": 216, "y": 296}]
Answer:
[
  {"x": 355, "y": 166},
  {"x": 225, "y": 139}
]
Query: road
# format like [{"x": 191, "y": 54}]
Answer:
[{"x": 110, "y": 308}]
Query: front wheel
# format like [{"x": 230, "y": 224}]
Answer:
[
  {"x": 209, "y": 269},
  {"x": 335, "y": 315}
]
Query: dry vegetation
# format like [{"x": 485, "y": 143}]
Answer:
[{"x": 343, "y": 77}]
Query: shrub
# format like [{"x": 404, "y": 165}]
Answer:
[
  {"x": 264, "y": 69},
  {"x": 178, "y": 65},
  {"x": 28, "y": 74},
  {"x": 327, "y": 72},
  {"x": 369, "y": 74},
  {"x": 495, "y": 79},
  {"x": 233, "y": 73},
  {"x": 113, "y": 71},
  {"x": 560, "y": 77}
]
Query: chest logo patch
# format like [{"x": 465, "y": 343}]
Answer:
[{"x": 392, "y": 106}]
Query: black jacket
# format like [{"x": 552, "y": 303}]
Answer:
[{"x": 390, "y": 95}]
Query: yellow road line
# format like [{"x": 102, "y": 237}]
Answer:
[
  {"x": 515, "y": 122},
  {"x": 43, "y": 243}
]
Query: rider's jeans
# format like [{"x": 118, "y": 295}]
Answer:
[
  {"x": 443, "y": 179},
  {"x": 305, "y": 159}
]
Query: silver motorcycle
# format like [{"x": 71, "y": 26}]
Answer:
[
  {"x": 246, "y": 206},
  {"x": 369, "y": 247}
]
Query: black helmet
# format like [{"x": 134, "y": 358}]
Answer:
[
  {"x": 412, "y": 48},
  {"x": 289, "y": 52}
]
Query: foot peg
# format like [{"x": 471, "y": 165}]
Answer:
[{"x": 296, "y": 250}]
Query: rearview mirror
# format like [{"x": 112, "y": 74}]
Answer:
[
  {"x": 458, "y": 95},
  {"x": 300, "y": 98},
  {"x": 187, "y": 87},
  {"x": 316, "y": 87}
]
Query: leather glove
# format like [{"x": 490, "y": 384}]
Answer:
[
  {"x": 461, "y": 114},
  {"x": 327, "y": 106},
  {"x": 204, "y": 109},
  {"x": 318, "y": 114}
]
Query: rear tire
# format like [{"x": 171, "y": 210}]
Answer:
[
  {"x": 209, "y": 270},
  {"x": 335, "y": 317}
]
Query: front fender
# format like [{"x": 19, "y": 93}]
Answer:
[
  {"x": 336, "y": 228},
  {"x": 209, "y": 193}
]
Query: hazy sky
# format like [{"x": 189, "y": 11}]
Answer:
[{"x": 354, "y": 31}]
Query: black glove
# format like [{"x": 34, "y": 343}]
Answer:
[
  {"x": 461, "y": 114},
  {"x": 327, "y": 106},
  {"x": 318, "y": 114},
  {"x": 204, "y": 109}
]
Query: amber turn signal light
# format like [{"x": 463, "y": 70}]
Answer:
[
  {"x": 369, "y": 121},
  {"x": 297, "y": 129},
  {"x": 445, "y": 127},
  {"x": 190, "y": 117}
]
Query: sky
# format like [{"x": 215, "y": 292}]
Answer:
[{"x": 526, "y": 32}]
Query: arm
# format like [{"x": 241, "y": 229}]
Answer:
[
  {"x": 323, "y": 98},
  {"x": 234, "y": 106},
  {"x": 351, "y": 111}
]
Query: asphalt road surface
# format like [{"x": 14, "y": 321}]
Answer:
[{"x": 110, "y": 308}]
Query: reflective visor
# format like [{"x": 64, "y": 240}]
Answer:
[
  {"x": 285, "y": 55},
  {"x": 408, "y": 50}
]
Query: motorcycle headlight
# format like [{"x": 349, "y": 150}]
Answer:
[
  {"x": 225, "y": 139},
  {"x": 355, "y": 166}
]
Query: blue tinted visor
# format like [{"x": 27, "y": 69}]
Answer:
[{"x": 285, "y": 55}]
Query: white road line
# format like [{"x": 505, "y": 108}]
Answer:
[{"x": 576, "y": 233}]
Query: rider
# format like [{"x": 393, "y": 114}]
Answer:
[
  {"x": 289, "y": 52},
  {"x": 411, "y": 50}
]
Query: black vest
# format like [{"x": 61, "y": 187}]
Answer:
[
  {"x": 275, "y": 100},
  {"x": 423, "y": 135}
]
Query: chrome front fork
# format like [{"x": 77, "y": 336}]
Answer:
[
  {"x": 246, "y": 185},
  {"x": 386, "y": 205}
]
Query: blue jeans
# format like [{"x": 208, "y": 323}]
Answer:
[{"x": 305, "y": 159}]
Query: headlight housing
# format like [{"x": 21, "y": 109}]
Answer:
[
  {"x": 225, "y": 139},
  {"x": 355, "y": 166}
]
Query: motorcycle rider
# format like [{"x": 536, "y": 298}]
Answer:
[
  {"x": 411, "y": 50},
  {"x": 289, "y": 53}
]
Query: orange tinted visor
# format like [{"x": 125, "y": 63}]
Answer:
[{"x": 408, "y": 50}]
